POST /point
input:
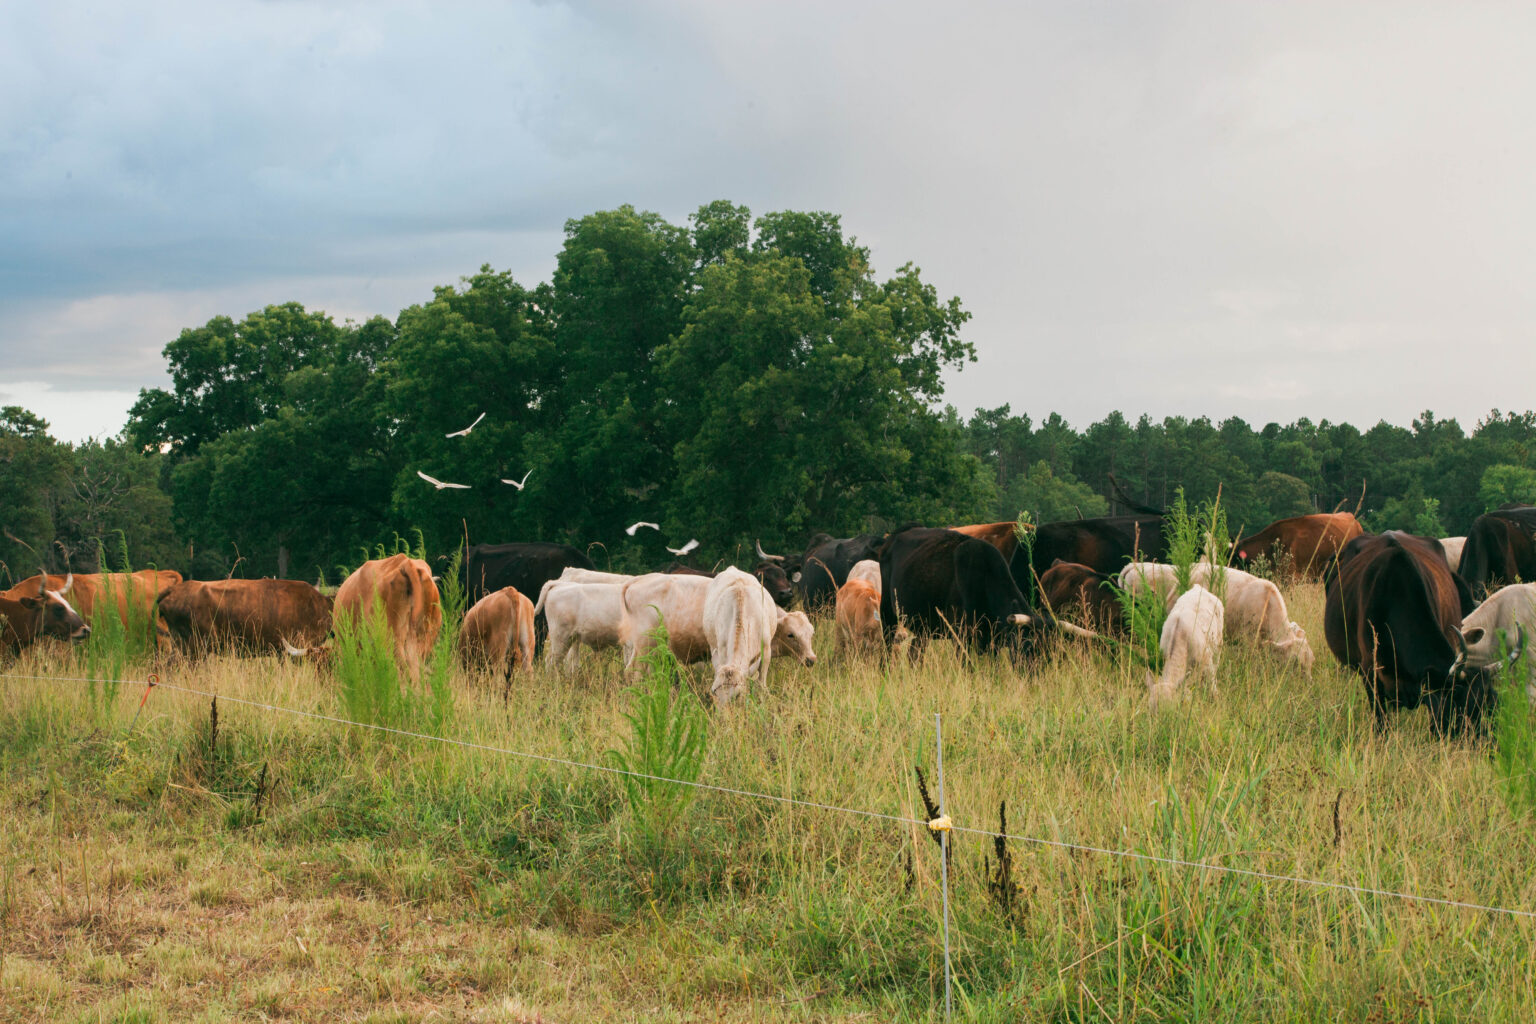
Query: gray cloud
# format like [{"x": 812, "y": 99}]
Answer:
[{"x": 1270, "y": 211}]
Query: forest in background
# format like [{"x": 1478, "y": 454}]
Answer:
[{"x": 730, "y": 379}]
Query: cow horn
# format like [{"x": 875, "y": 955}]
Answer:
[
  {"x": 1461, "y": 653},
  {"x": 1019, "y": 619},
  {"x": 1519, "y": 645},
  {"x": 292, "y": 651},
  {"x": 765, "y": 556},
  {"x": 1078, "y": 631},
  {"x": 69, "y": 581}
]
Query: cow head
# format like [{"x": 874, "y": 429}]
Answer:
[
  {"x": 775, "y": 582},
  {"x": 792, "y": 638},
  {"x": 1295, "y": 647},
  {"x": 55, "y": 616}
]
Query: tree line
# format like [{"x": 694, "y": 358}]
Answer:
[{"x": 727, "y": 379}]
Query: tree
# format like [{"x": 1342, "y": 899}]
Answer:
[
  {"x": 1504, "y": 484},
  {"x": 1051, "y": 497},
  {"x": 33, "y": 467}
]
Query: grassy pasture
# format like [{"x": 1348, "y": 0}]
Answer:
[{"x": 384, "y": 879}]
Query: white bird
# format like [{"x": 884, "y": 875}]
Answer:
[
  {"x": 631, "y": 529},
  {"x": 518, "y": 483},
  {"x": 680, "y": 552},
  {"x": 472, "y": 426},
  {"x": 440, "y": 484}
]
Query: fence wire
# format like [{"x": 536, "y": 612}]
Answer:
[{"x": 1130, "y": 855}]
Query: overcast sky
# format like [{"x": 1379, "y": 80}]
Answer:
[{"x": 1265, "y": 210}]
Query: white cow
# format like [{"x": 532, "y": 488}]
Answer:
[
  {"x": 1191, "y": 641},
  {"x": 573, "y": 574},
  {"x": 1509, "y": 612},
  {"x": 1452, "y": 547},
  {"x": 867, "y": 570},
  {"x": 1253, "y": 606},
  {"x": 582, "y": 613},
  {"x": 741, "y": 623}
]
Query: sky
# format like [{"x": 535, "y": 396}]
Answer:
[{"x": 1270, "y": 211}]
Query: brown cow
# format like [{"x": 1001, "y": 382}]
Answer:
[
  {"x": 498, "y": 632},
  {"x": 402, "y": 587},
  {"x": 263, "y": 615},
  {"x": 95, "y": 590},
  {"x": 1003, "y": 536},
  {"x": 30, "y": 610},
  {"x": 1075, "y": 590},
  {"x": 1311, "y": 543},
  {"x": 858, "y": 617}
]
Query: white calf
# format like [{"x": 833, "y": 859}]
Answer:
[
  {"x": 1191, "y": 641},
  {"x": 582, "y": 613},
  {"x": 1253, "y": 606},
  {"x": 867, "y": 570}
]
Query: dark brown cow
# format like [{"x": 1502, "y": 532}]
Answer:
[
  {"x": 1076, "y": 591},
  {"x": 1500, "y": 549},
  {"x": 30, "y": 610},
  {"x": 1393, "y": 611},
  {"x": 1310, "y": 543},
  {"x": 261, "y": 615}
]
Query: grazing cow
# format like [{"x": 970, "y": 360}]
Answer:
[
  {"x": 1507, "y": 618},
  {"x": 268, "y": 616},
  {"x": 526, "y": 566},
  {"x": 679, "y": 601},
  {"x": 741, "y": 624},
  {"x": 1452, "y": 547},
  {"x": 589, "y": 613},
  {"x": 1500, "y": 549},
  {"x": 1309, "y": 543},
  {"x": 93, "y": 592},
  {"x": 1190, "y": 642},
  {"x": 402, "y": 588},
  {"x": 1253, "y": 605},
  {"x": 498, "y": 632},
  {"x": 30, "y": 610},
  {"x": 1103, "y": 544},
  {"x": 858, "y": 617},
  {"x": 825, "y": 564},
  {"x": 577, "y": 575},
  {"x": 1071, "y": 586},
  {"x": 1392, "y": 613},
  {"x": 945, "y": 583}
]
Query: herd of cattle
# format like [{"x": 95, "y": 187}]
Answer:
[{"x": 1400, "y": 609}]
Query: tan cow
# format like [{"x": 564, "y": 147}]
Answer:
[
  {"x": 402, "y": 588},
  {"x": 498, "y": 632},
  {"x": 1190, "y": 642},
  {"x": 265, "y": 615},
  {"x": 857, "y": 625},
  {"x": 743, "y": 627}
]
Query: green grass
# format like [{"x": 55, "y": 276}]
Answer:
[{"x": 143, "y": 879}]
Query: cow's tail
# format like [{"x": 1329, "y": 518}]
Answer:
[{"x": 543, "y": 593}]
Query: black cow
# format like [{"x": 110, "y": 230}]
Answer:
[
  {"x": 1393, "y": 610},
  {"x": 1104, "y": 544},
  {"x": 825, "y": 564},
  {"x": 941, "y": 582},
  {"x": 1500, "y": 549},
  {"x": 526, "y": 566}
]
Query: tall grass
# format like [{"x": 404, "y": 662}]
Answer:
[{"x": 1514, "y": 730}]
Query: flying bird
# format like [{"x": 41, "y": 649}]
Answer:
[
  {"x": 519, "y": 483},
  {"x": 440, "y": 484},
  {"x": 466, "y": 430},
  {"x": 680, "y": 552},
  {"x": 631, "y": 529}
]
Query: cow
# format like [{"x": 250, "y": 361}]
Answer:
[
  {"x": 498, "y": 632},
  {"x": 679, "y": 602},
  {"x": 1004, "y": 536},
  {"x": 582, "y": 612},
  {"x": 525, "y": 566},
  {"x": 1190, "y": 642},
  {"x": 270, "y": 616},
  {"x": 133, "y": 594},
  {"x": 401, "y": 588},
  {"x": 1253, "y": 605},
  {"x": 574, "y": 574},
  {"x": 1500, "y": 549},
  {"x": 1506, "y": 619},
  {"x": 1308, "y": 543},
  {"x": 31, "y": 609},
  {"x": 1103, "y": 544},
  {"x": 857, "y": 623},
  {"x": 1452, "y": 547},
  {"x": 868, "y": 571},
  {"x": 769, "y": 573},
  {"x": 943, "y": 583},
  {"x": 1069, "y": 586},
  {"x": 741, "y": 623},
  {"x": 825, "y": 564},
  {"x": 1392, "y": 612}
]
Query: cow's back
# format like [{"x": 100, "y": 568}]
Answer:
[{"x": 264, "y": 613}]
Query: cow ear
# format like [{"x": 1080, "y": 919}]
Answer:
[
  {"x": 33, "y": 603},
  {"x": 1474, "y": 635},
  {"x": 1055, "y": 562}
]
